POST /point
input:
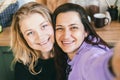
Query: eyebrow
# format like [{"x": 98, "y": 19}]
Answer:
[
  {"x": 73, "y": 24},
  {"x": 27, "y": 30},
  {"x": 68, "y": 25},
  {"x": 44, "y": 22},
  {"x": 58, "y": 25}
]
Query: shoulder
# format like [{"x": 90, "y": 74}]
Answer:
[
  {"x": 96, "y": 55},
  {"x": 22, "y": 72},
  {"x": 99, "y": 50},
  {"x": 92, "y": 53}
]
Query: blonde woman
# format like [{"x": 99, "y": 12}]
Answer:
[{"x": 32, "y": 39}]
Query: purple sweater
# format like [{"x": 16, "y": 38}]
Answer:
[{"x": 90, "y": 63}]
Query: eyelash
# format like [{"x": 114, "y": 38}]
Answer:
[
  {"x": 29, "y": 33},
  {"x": 72, "y": 28},
  {"x": 44, "y": 26},
  {"x": 58, "y": 28}
]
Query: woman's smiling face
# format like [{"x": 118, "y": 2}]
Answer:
[
  {"x": 69, "y": 32},
  {"x": 38, "y": 32}
]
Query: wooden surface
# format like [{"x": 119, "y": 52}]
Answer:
[
  {"x": 110, "y": 33},
  {"x": 5, "y": 37}
]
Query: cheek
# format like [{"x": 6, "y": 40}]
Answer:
[
  {"x": 57, "y": 36},
  {"x": 52, "y": 37},
  {"x": 51, "y": 33},
  {"x": 58, "y": 39},
  {"x": 49, "y": 30},
  {"x": 80, "y": 36},
  {"x": 29, "y": 41}
]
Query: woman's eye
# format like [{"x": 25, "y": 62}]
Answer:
[
  {"x": 74, "y": 28},
  {"x": 29, "y": 33},
  {"x": 44, "y": 26},
  {"x": 59, "y": 29}
]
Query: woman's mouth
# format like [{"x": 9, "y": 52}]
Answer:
[{"x": 44, "y": 42}]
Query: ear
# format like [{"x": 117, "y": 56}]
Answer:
[{"x": 86, "y": 34}]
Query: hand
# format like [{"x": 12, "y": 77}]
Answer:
[
  {"x": 117, "y": 78},
  {"x": 116, "y": 61}
]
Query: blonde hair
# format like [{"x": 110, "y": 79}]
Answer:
[{"x": 21, "y": 50}]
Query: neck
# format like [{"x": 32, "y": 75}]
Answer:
[
  {"x": 47, "y": 55},
  {"x": 71, "y": 55}
]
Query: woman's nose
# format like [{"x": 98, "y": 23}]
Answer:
[
  {"x": 67, "y": 34},
  {"x": 39, "y": 35}
]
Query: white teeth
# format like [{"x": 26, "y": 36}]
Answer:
[{"x": 67, "y": 42}]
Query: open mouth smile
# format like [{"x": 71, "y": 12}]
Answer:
[{"x": 67, "y": 43}]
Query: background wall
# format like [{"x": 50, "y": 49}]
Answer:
[
  {"x": 103, "y": 4},
  {"x": 52, "y": 4}
]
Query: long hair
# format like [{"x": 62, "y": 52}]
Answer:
[
  {"x": 92, "y": 38},
  {"x": 21, "y": 50}
]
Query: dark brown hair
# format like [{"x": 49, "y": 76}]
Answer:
[{"x": 92, "y": 38}]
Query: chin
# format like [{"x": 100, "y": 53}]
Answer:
[
  {"x": 67, "y": 51},
  {"x": 47, "y": 49}
]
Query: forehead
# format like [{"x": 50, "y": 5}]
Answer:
[
  {"x": 32, "y": 20},
  {"x": 31, "y": 17},
  {"x": 72, "y": 13},
  {"x": 27, "y": 15},
  {"x": 68, "y": 17}
]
